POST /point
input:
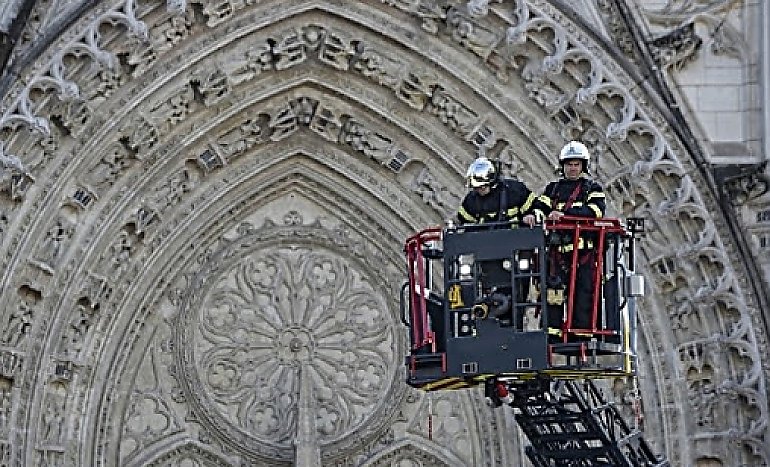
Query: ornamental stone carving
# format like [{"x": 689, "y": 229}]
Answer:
[
  {"x": 303, "y": 318},
  {"x": 15, "y": 180},
  {"x": 742, "y": 183},
  {"x": 723, "y": 37},
  {"x": 257, "y": 317},
  {"x": 677, "y": 47}
]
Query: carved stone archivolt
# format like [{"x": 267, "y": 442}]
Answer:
[{"x": 202, "y": 210}]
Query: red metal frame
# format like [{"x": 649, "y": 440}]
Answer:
[
  {"x": 421, "y": 333},
  {"x": 578, "y": 225}
]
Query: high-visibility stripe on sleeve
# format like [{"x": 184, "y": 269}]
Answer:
[
  {"x": 596, "y": 210},
  {"x": 595, "y": 194},
  {"x": 528, "y": 203},
  {"x": 464, "y": 214},
  {"x": 546, "y": 200}
]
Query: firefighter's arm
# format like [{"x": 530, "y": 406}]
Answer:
[
  {"x": 541, "y": 207},
  {"x": 463, "y": 214},
  {"x": 464, "y": 217},
  {"x": 531, "y": 212}
]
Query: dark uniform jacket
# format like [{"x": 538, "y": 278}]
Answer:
[
  {"x": 589, "y": 201},
  {"x": 518, "y": 202}
]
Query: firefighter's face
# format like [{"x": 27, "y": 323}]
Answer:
[
  {"x": 572, "y": 169},
  {"x": 483, "y": 190}
]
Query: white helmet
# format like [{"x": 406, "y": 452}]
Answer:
[
  {"x": 575, "y": 150},
  {"x": 481, "y": 172}
]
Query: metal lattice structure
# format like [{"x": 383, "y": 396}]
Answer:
[{"x": 570, "y": 423}]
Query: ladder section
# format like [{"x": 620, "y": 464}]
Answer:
[{"x": 570, "y": 424}]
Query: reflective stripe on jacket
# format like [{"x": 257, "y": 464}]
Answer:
[
  {"x": 590, "y": 201},
  {"x": 519, "y": 201}
]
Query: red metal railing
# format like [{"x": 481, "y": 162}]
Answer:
[
  {"x": 421, "y": 334},
  {"x": 576, "y": 226}
]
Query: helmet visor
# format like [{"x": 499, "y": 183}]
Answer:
[{"x": 481, "y": 173}]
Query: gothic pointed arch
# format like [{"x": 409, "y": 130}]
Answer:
[
  {"x": 407, "y": 453},
  {"x": 182, "y": 453}
]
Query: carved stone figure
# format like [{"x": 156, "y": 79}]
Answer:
[
  {"x": 14, "y": 179},
  {"x": 114, "y": 163},
  {"x": 240, "y": 138},
  {"x": 434, "y": 193},
  {"x": 54, "y": 243},
  {"x": 370, "y": 143}
]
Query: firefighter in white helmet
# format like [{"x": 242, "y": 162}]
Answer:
[
  {"x": 574, "y": 194},
  {"x": 499, "y": 203},
  {"x": 494, "y": 199},
  {"x": 588, "y": 197}
]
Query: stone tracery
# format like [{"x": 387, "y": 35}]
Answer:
[{"x": 274, "y": 312}]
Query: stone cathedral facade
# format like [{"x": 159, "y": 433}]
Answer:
[{"x": 203, "y": 205}]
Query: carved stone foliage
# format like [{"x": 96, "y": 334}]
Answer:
[
  {"x": 677, "y": 47},
  {"x": 675, "y": 43},
  {"x": 14, "y": 178},
  {"x": 724, "y": 37},
  {"x": 742, "y": 183},
  {"x": 616, "y": 26}
]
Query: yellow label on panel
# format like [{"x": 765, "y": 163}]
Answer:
[
  {"x": 555, "y": 296},
  {"x": 455, "y": 297}
]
